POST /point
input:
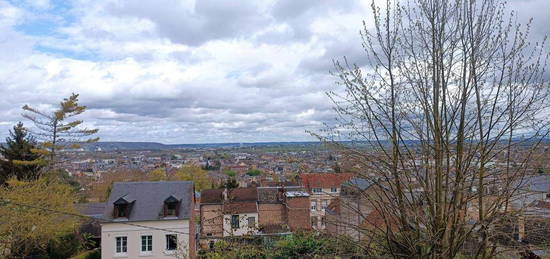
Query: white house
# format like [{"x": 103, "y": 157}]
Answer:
[
  {"x": 239, "y": 224},
  {"x": 149, "y": 220}
]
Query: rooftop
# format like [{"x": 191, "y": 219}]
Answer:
[{"x": 148, "y": 198}]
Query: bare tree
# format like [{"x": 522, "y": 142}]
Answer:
[
  {"x": 56, "y": 130},
  {"x": 454, "y": 91}
]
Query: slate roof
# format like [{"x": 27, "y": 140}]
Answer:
[
  {"x": 91, "y": 209},
  {"x": 359, "y": 183},
  {"x": 539, "y": 183},
  {"x": 148, "y": 199},
  {"x": 324, "y": 180}
]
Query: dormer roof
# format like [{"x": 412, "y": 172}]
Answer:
[
  {"x": 148, "y": 199},
  {"x": 171, "y": 199}
]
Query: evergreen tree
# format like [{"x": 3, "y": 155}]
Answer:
[
  {"x": 57, "y": 131},
  {"x": 19, "y": 159}
]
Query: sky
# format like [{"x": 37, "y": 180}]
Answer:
[{"x": 184, "y": 71}]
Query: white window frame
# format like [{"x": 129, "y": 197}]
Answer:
[
  {"x": 124, "y": 239},
  {"x": 317, "y": 190},
  {"x": 334, "y": 189},
  {"x": 145, "y": 252}
]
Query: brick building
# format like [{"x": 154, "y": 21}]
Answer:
[
  {"x": 252, "y": 211},
  {"x": 349, "y": 213},
  {"x": 323, "y": 189}
]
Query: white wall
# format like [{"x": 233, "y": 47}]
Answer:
[
  {"x": 243, "y": 225},
  {"x": 109, "y": 232}
]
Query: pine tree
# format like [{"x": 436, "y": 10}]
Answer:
[
  {"x": 57, "y": 131},
  {"x": 19, "y": 159}
]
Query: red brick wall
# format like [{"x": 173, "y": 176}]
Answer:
[
  {"x": 298, "y": 213},
  {"x": 271, "y": 214},
  {"x": 192, "y": 241}
]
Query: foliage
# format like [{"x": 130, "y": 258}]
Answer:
[
  {"x": 195, "y": 174},
  {"x": 298, "y": 245},
  {"x": 230, "y": 183},
  {"x": 224, "y": 249},
  {"x": 447, "y": 90},
  {"x": 26, "y": 229},
  {"x": 92, "y": 254},
  {"x": 56, "y": 130},
  {"x": 229, "y": 172},
  {"x": 158, "y": 174},
  {"x": 96, "y": 254},
  {"x": 19, "y": 160},
  {"x": 63, "y": 247},
  {"x": 254, "y": 172},
  {"x": 100, "y": 190}
]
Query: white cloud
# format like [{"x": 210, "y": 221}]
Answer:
[{"x": 180, "y": 71}]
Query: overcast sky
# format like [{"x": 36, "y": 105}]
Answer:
[{"x": 178, "y": 71}]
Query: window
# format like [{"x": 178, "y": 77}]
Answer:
[
  {"x": 146, "y": 243},
  {"x": 333, "y": 189},
  {"x": 234, "y": 221},
  {"x": 171, "y": 209},
  {"x": 171, "y": 206},
  {"x": 211, "y": 245},
  {"x": 313, "y": 205},
  {"x": 171, "y": 242},
  {"x": 548, "y": 196},
  {"x": 317, "y": 190},
  {"x": 314, "y": 222},
  {"x": 121, "y": 208},
  {"x": 323, "y": 221},
  {"x": 251, "y": 222},
  {"x": 324, "y": 204},
  {"x": 121, "y": 245},
  {"x": 121, "y": 211}
]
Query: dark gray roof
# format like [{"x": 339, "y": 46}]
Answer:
[
  {"x": 91, "y": 209},
  {"x": 359, "y": 183},
  {"x": 148, "y": 199},
  {"x": 539, "y": 183}
]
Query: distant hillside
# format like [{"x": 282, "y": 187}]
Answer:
[
  {"x": 118, "y": 145},
  {"x": 113, "y": 146}
]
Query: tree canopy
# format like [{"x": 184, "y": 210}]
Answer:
[
  {"x": 57, "y": 130},
  {"x": 195, "y": 174},
  {"x": 24, "y": 228},
  {"x": 254, "y": 172},
  {"x": 19, "y": 159}
]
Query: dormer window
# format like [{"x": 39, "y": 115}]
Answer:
[
  {"x": 121, "y": 208},
  {"x": 171, "y": 207}
]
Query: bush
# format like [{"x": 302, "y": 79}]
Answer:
[
  {"x": 96, "y": 254},
  {"x": 253, "y": 172}
]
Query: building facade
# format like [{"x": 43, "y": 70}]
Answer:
[
  {"x": 149, "y": 219},
  {"x": 323, "y": 189},
  {"x": 226, "y": 213}
]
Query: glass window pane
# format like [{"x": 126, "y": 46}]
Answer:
[{"x": 171, "y": 242}]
